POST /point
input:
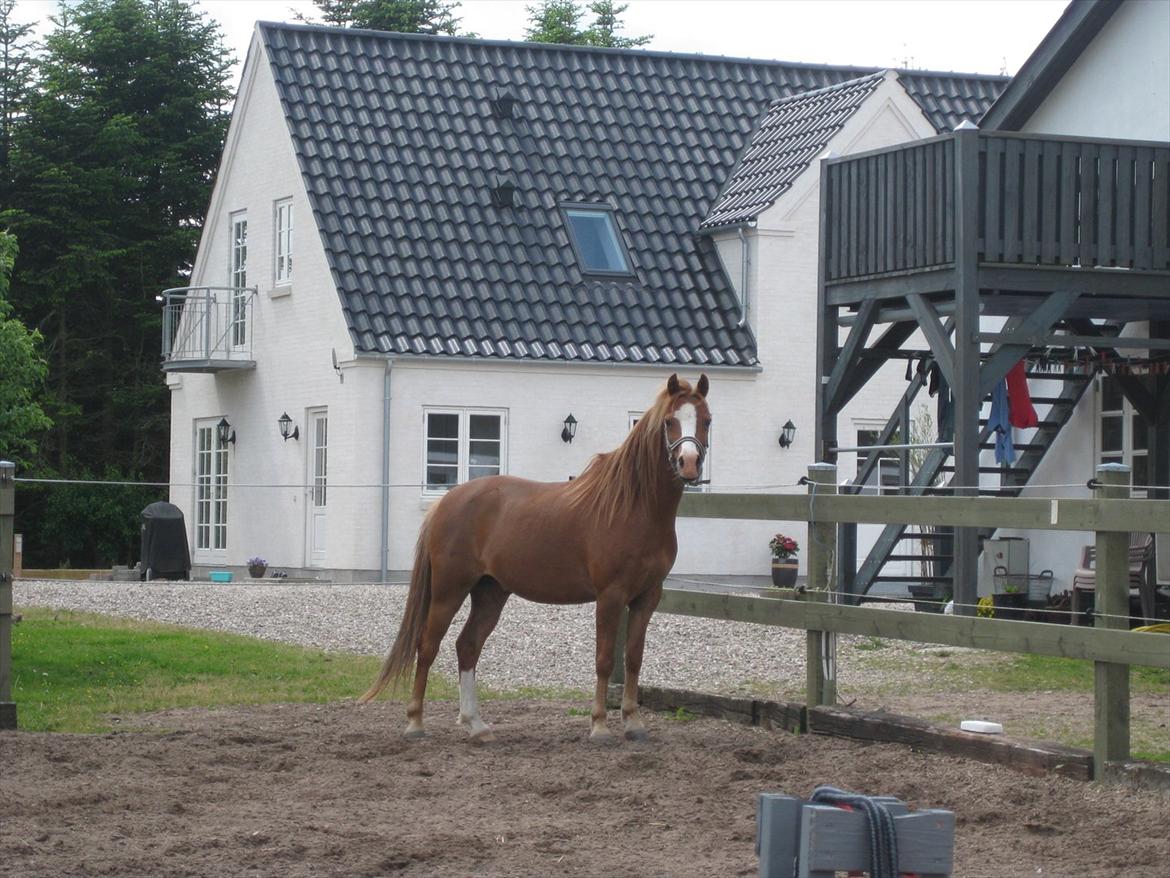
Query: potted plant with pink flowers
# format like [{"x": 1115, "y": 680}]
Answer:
[{"x": 784, "y": 563}]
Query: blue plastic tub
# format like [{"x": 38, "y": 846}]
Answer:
[{"x": 221, "y": 576}]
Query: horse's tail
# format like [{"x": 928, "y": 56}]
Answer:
[{"x": 401, "y": 657}]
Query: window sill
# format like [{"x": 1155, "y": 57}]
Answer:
[{"x": 280, "y": 291}]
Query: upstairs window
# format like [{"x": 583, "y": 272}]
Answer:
[
  {"x": 595, "y": 239},
  {"x": 283, "y": 249},
  {"x": 239, "y": 278}
]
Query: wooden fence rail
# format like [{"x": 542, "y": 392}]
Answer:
[{"x": 1110, "y": 515}]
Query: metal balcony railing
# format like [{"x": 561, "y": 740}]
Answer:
[{"x": 207, "y": 329}]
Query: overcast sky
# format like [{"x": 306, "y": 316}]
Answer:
[{"x": 971, "y": 36}]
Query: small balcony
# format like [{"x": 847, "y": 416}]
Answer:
[
  {"x": 1020, "y": 214},
  {"x": 207, "y": 329}
]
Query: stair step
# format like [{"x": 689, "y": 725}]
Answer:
[
  {"x": 1042, "y": 425},
  {"x": 991, "y": 470},
  {"x": 922, "y": 579},
  {"x": 920, "y": 558},
  {"x": 1020, "y": 447},
  {"x": 1052, "y": 400},
  {"x": 1058, "y": 376}
]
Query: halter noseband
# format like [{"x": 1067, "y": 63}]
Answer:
[{"x": 671, "y": 447}]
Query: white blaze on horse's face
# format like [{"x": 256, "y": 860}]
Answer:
[{"x": 688, "y": 460}]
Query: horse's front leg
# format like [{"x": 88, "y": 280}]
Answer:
[
  {"x": 641, "y": 609},
  {"x": 609, "y": 614}
]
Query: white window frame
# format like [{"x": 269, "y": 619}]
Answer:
[
  {"x": 238, "y": 277},
  {"x": 1128, "y": 451},
  {"x": 282, "y": 250},
  {"x": 211, "y": 467},
  {"x": 464, "y": 440}
]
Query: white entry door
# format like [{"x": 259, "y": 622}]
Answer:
[{"x": 318, "y": 525}]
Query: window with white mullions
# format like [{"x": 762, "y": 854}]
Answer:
[
  {"x": 1122, "y": 434},
  {"x": 211, "y": 480},
  {"x": 321, "y": 461},
  {"x": 238, "y": 279},
  {"x": 460, "y": 445},
  {"x": 283, "y": 249}
]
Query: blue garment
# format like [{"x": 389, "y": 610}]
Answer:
[{"x": 1005, "y": 453}]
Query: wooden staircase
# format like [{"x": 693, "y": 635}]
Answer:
[{"x": 931, "y": 553}]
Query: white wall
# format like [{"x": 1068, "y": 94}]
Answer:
[
  {"x": 1120, "y": 85},
  {"x": 294, "y": 330}
]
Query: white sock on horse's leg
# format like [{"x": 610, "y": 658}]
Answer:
[{"x": 469, "y": 706}]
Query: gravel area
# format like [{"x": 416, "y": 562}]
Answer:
[{"x": 534, "y": 644}]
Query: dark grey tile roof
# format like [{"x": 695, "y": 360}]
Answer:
[
  {"x": 400, "y": 149},
  {"x": 951, "y": 98},
  {"x": 794, "y": 131}
]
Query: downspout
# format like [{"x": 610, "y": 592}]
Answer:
[
  {"x": 385, "y": 550},
  {"x": 743, "y": 276}
]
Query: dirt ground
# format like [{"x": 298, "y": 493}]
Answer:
[{"x": 312, "y": 790}]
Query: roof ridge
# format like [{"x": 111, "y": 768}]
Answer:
[
  {"x": 828, "y": 89},
  {"x": 862, "y": 71}
]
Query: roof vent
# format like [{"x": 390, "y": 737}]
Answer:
[
  {"x": 503, "y": 194},
  {"x": 502, "y": 105}
]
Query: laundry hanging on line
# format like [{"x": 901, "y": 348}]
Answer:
[{"x": 1020, "y": 410}]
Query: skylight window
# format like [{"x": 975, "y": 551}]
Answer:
[{"x": 595, "y": 240}]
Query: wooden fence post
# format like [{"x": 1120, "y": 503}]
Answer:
[
  {"x": 1111, "y": 610},
  {"x": 7, "y": 528},
  {"x": 821, "y": 646}
]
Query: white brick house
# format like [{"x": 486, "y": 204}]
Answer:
[{"x": 418, "y": 331}]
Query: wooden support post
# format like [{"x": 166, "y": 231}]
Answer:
[
  {"x": 965, "y": 566},
  {"x": 821, "y": 646},
  {"x": 1111, "y": 681},
  {"x": 7, "y": 514}
]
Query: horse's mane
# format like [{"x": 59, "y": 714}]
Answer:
[{"x": 622, "y": 479}]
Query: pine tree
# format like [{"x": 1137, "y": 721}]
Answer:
[
  {"x": 111, "y": 173},
  {"x": 16, "y": 60},
  {"x": 400, "y": 16},
  {"x": 607, "y": 23}
]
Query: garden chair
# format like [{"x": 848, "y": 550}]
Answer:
[{"x": 1141, "y": 575}]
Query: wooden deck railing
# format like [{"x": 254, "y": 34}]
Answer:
[
  {"x": 1110, "y": 516},
  {"x": 1040, "y": 201}
]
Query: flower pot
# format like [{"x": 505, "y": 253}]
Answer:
[
  {"x": 784, "y": 572},
  {"x": 257, "y": 571},
  {"x": 1010, "y": 605}
]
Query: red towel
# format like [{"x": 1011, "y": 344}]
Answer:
[{"x": 1020, "y": 411}]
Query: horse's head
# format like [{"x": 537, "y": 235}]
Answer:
[{"x": 687, "y": 427}]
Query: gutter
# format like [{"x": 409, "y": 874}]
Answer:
[
  {"x": 385, "y": 530},
  {"x": 744, "y": 262},
  {"x": 456, "y": 360}
]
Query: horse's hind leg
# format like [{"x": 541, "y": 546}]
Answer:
[
  {"x": 487, "y": 602},
  {"x": 442, "y": 610}
]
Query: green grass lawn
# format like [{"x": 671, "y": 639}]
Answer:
[{"x": 72, "y": 670}]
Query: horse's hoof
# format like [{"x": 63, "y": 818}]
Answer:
[
  {"x": 414, "y": 733},
  {"x": 605, "y": 736},
  {"x": 637, "y": 735},
  {"x": 483, "y": 736}
]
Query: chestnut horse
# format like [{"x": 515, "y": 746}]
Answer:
[{"x": 607, "y": 536}]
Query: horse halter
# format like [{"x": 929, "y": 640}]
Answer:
[{"x": 671, "y": 447}]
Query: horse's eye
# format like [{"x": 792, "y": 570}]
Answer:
[
  {"x": 707, "y": 423},
  {"x": 671, "y": 422}
]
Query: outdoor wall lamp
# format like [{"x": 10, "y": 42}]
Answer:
[
  {"x": 224, "y": 432},
  {"x": 570, "y": 429},
  {"x": 285, "y": 422},
  {"x": 787, "y": 432}
]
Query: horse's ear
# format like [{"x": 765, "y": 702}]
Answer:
[
  {"x": 672, "y": 384},
  {"x": 703, "y": 386}
]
